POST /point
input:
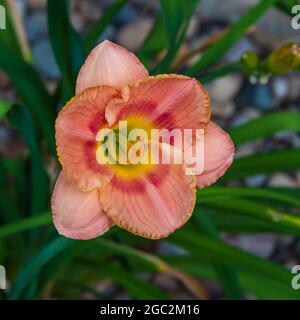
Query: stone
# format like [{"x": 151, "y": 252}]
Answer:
[
  {"x": 123, "y": 296},
  {"x": 133, "y": 34},
  {"x": 77, "y": 21},
  {"x": 234, "y": 54},
  {"x": 44, "y": 59},
  {"x": 225, "y": 111},
  {"x": 36, "y": 26},
  {"x": 282, "y": 180},
  {"x": 107, "y": 34},
  {"x": 280, "y": 86},
  {"x": 36, "y": 4},
  {"x": 229, "y": 10},
  {"x": 84, "y": 14},
  {"x": 257, "y": 96},
  {"x": 247, "y": 149},
  {"x": 21, "y": 6},
  {"x": 89, "y": 10},
  {"x": 51, "y": 86},
  {"x": 298, "y": 178},
  {"x": 4, "y": 80},
  {"x": 168, "y": 248},
  {"x": 274, "y": 29},
  {"x": 224, "y": 89},
  {"x": 292, "y": 138},
  {"x": 244, "y": 116},
  {"x": 166, "y": 282},
  {"x": 262, "y": 98},
  {"x": 256, "y": 181},
  {"x": 126, "y": 14},
  {"x": 294, "y": 86},
  {"x": 193, "y": 27},
  {"x": 9, "y": 93},
  {"x": 261, "y": 245},
  {"x": 11, "y": 143}
]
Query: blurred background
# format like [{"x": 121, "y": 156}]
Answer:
[{"x": 243, "y": 238}]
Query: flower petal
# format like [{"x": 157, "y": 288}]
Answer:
[
  {"x": 153, "y": 206},
  {"x": 218, "y": 155},
  {"x": 109, "y": 64},
  {"x": 77, "y": 214},
  {"x": 169, "y": 101},
  {"x": 76, "y": 127}
]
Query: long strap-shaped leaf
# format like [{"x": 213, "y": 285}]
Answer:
[
  {"x": 284, "y": 222},
  {"x": 205, "y": 247},
  {"x": 264, "y": 163},
  {"x": 154, "y": 43},
  {"x": 27, "y": 274},
  {"x": 225, "y": 272},
  {"x": 20, "y": 118},
  {"x": 177, "y": 15},
  {"x": 265, "y": 126},
  {"x": 106, "y": 18},
  {"x": 136, "y": 287},
  {"x": 154, "y": 263},
  {"x": 211, "y": 194},
  {"x": 219, "y": 49},
  {"x": 14, "y": 34},
  {"x": 66, "y": 43},
  {"x": 31, "y": 89},
  {"x": 25, "y": 224},
  {"x": 262, "y": 287},
  {"x": 286, "y": 5}
]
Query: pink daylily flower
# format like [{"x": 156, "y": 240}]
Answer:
[{"x": 148, "y": 200}]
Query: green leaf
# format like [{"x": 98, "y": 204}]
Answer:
[
  {"x": 4, "y": 108},
  {"x": 13, "y": 180},
  {"x": 226, "y": 274},
  {"x": 239, "y": 224},
  {"x": 25, "y": 224},
  {"x": 265, "y": 126},
  {"x": 9, "y": 36},
  {"x": 177, "y": 15},
  {"x": 31, "y": 88},
  {"x": 136, "y": 287},
  {"x": 217, "y": 251},
  {"x": 139, "y": 256},
  {"x": 30, "y": 271},
  {"x": 263, "y": 163},
  {"x": 211, "y": 194},
  {"x": 58, "y": 253},
  {"x": 236, "y": 31},
  {"x": 286, "y": 5},
  {"x": 9, "y": 209},
  {"x": 284, "y": 222},
  {"x": 105, "y": 20},
  {"x": 49, "y": 260},
  {"x": 154, "y": 43},
  {"x": 221, "y": 72},
  {"x": 20, "y": 118},
  {"x": 82, "y": 288},
  {"x": 66, "y": 43},
  {"x": 261, "y": 287},
  {"x": 150, "y": 262}
]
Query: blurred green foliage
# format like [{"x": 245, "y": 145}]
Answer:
[{"x": 41, "y": 264}]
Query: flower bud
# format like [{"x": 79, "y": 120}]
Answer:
[
  {"x": 250, "y": 61},
  {"x": 284, "y": 59}
]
